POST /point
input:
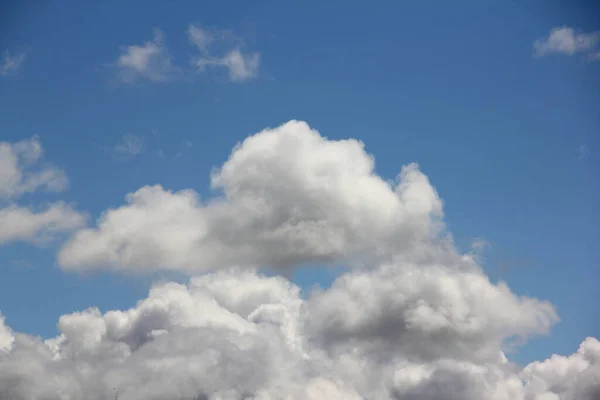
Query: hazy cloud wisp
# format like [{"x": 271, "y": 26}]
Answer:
[
  {"x": 11, "y": 64},
  {"x": 565, "y": 40},
  {"x": 129, "y": 146},
  {"x": 152, "y": 61},
  {"x": 241, "y": 66}
]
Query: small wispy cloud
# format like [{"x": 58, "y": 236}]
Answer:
[
  {"x": 479, "y": 244},
  {"x": 583, "y": 152},
  {"x": 200, "y": 38},
  {"x": 565, "y": 40},
  {"x": 11, "y": 64},
  {"x": 129, "y": 146},
  {"x": 132, "y": 146},
  {"x": 187, "y": 144},
  {"x": 241, "y": 66},
  {"x": 150, "y": 61},
  {"x": 478, "y": 247}
]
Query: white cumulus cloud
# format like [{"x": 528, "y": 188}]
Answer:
[
  {"x": 573, "y": 377},
  {"x": 412, "y": 318},
  {"x": 238, "y": 335},
  {"x": 289, "y": 196}
]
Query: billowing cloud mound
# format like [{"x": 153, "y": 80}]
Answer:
[
  {"x": 411, "y": 319},
  {"x": 428, "y": 333},
  {"x": 424, "y": 312},
  {"x": 290, "y": 196},
  {"x": 22, "y": 172},
  {"x": 575, "y": 377}
]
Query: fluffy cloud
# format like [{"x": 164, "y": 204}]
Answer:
[
  {"x": 565, "y": 40},
  {"x": 21, "y": 172},
  {"x": 237, "y": 335},
  {"x": 574, "y": 377},
  {"x": 10, "y": 64},
  {"x": 289, "y": 196},
  {"x": 240, "y": 65},
  {"x": 150, "y": 61}
]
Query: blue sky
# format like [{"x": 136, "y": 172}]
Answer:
[{"x": 508, "y": 139}]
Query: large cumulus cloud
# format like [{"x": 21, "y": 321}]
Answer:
[
  {"x": 241, "y": 335},
  {"x": 289, "y": 196},
  {"x": 412, "y": 318}
]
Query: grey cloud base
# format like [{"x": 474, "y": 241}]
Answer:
[
  {"x": 239, "y": 335},
  {"x": 411, "y": 318}
]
